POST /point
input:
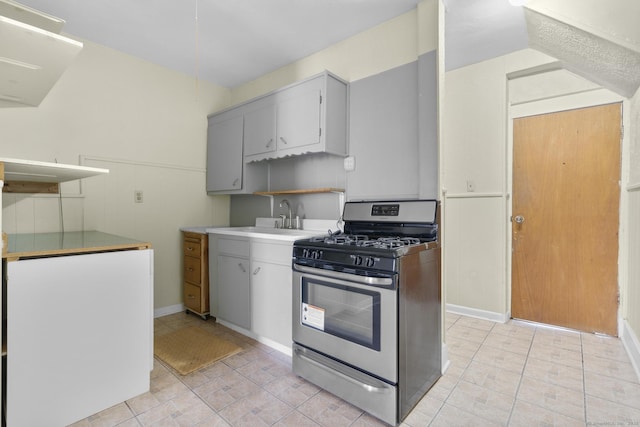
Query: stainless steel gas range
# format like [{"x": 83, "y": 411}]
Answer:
[{"x": 366, "y": 307}]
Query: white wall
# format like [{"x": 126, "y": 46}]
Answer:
[
  {"x": 145, "y": 123},
  {"x": 480, "y": 102},
  {"x": 148, "y": 125},
  {"x": 393, "y": 43},
  {"x": 473, "y": 148},
  {"x": 631, "y": 298}
]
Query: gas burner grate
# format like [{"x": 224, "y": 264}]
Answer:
[
  {"x": 365, "y": 241},
  {"x": 341, "y": 239},
  {"x": 389, "y": 242}
]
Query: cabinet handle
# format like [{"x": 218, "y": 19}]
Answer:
[
  {"x": 242, "y": 267},
  {"x": 191, "y": 296},
  {"x": 269, "y": 143},
  {"x": 235, "y": 182},
  {"x": 190, "y": 269},
  {"x": 256, "y": 271},
  {"x": 283, "y": 140},
  {"x": 189, "y": 248}
]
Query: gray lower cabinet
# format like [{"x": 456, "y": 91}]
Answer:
[
  {"x": 230, "y": 296},
  {"x": 234, "y": 300},
  {"x": 251, "y": 285},
  {"x": 271, "y": 290}
]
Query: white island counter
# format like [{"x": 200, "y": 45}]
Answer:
[{"x": 79, "y": 325}]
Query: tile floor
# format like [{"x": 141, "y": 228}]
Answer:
[{"x": 514, "y": 374}]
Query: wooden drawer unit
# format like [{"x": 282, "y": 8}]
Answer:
[
  {"x": 195, "y": 272},
  {"x": 192, "y": 298}
]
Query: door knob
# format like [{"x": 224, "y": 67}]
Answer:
[{"x": 519, "y": 219}]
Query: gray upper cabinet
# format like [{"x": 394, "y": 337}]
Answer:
[
  {"x": 299, "y": 114},
  {"x": 307, "y": 117},
  {"x": 260, "y": 127},
  {"x": 227, "y": 172},
  {"x": 224, "y": 152}
]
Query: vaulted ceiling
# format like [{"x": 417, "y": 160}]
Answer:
[{"x": 233, "y": 42}]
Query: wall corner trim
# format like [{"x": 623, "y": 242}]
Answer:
[
  {"x": 632, "y": 345},
  {"x": 479, "y": 314}
]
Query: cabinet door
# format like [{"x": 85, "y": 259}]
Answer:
[
  {"x": 260, "y": 130},
  {"x": 224, "y": 154},
  {"x": 298, "y": 118},
  {"x": 234, "y": 300},
  {"x": 271, "y": 301}
]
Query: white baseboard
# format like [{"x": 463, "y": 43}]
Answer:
[
  {"x": 445, "y": 359},
  {"x": 266, "y": 341},
  {"x": 165, "y": 311},
  {"x": 632, "y": 345},
  {"x": 480, "y": 314}
]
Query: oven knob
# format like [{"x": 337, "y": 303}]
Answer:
[
  {"x": 370, "y": 262},
  {"x": 357, "y": 260},
  {"x": 305, "y": 253},
  {"x": 316, "y": 254}
]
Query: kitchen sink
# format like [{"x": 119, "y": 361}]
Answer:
[{"x": 266, "y": 232}]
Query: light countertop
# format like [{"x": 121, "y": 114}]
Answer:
[
  {"x": 264, "y": 229},
  {"x": 199, "y": 229},
  {"x": 67, "y": 243}
]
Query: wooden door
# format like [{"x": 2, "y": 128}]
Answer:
[{"x": 566, "y": 173}]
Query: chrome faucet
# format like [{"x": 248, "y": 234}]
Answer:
[{"x": 285, "y": 203}]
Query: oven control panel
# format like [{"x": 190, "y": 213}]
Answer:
[
  {"x": 365, "y": 261},
  {"x": 328, "y": 257}
]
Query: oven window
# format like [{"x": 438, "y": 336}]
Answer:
[{"x": 343, "y": 311}]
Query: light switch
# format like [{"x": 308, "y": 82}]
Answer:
[{"x": 349, "y": 163}]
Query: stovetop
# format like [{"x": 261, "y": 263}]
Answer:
[
  {"x": 364, "y": 241},
  {"x": 375, "y": 235}
]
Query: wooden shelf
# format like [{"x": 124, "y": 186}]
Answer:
[
  {"x": 307, "y": 191},
  {"x": 29, "y": 176}
]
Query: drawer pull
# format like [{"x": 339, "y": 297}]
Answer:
[
  {"x": 190, "y": 269},
  {"x": 189, "y": 248},
  {"x": 191, "y": 296},
  {"x": 256, "y": 271},
  {"x": 242, "y": 267}
]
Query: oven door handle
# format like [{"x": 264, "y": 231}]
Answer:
[
  {"x": 373, "y": 281},
  {"x": 373, "y": 386}
]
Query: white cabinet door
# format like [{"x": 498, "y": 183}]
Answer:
[
  {"x": 79, "y": 335},
  {"x": 260, "y": 130},
  {"x": 271, "y": 301},
  {"x": 234, "y": 299},
  {"x": 224, "y": 153},
  {"x": 298, "y": 118}
]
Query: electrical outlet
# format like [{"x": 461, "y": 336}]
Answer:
[
  {"x": 349, "y": 164},
  {"x": 138, "y": 196},
  {"x": 471, "y": 186}
]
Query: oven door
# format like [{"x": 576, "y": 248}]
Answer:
[{"x": 347, "y": 317}]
